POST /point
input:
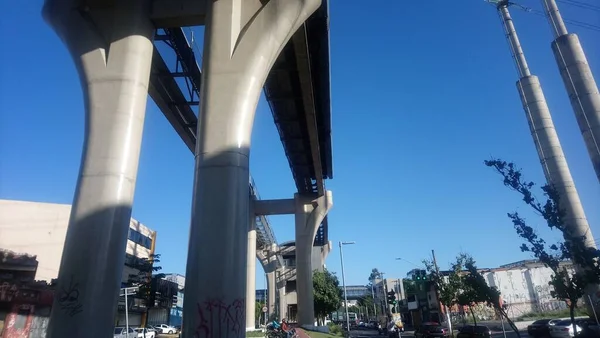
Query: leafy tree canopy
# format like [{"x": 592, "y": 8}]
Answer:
[
  {"x": 146, "y": 268},
  {"x": 568, "y": 286},
  {"x": 375, "y": 274},
  {"x": 327, "y": 293}
]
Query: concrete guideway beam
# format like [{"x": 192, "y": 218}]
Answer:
[
  {"x": 310, "y": 212},
  {"x": 114, "y": 69},
  {"x": 242, "y": 40}
]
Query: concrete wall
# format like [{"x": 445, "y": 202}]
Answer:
[
  {"x": 524, "y": 288},
  {"x": 40, "y": 229}
]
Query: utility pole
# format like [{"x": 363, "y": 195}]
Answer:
[
  {"x": 446, "y": 309},
  {"x": 384, "y": 291},
  {"x": 545, "y": 137},
  {"x": 578, "y": 80}
]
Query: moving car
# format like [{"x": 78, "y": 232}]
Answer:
[
  {"x": 474, "y": 331},
  {"x": 431, "y": 330},
  {"x": 541, "y": 328}
]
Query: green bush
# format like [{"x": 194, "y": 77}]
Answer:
[
  {"x": 257, "y": 333},
  {"x": 335, "y": 329},
  {"x": 551, "y": 314}
]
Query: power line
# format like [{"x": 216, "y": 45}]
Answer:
[
  {"x": 580, "y": 4},
  {"x": 577, "y": 23}
]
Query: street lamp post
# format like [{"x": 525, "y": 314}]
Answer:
[
  {"x": 344, "y": 283},
  {"x": 373, "y": 297}
]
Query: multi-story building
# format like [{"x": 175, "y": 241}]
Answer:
[
  {"x": 524, "y": 286},
  {"x": 40, "y": 228},
  {"x": 287, "y": 299},
  {"x": 176, "y": 315}
]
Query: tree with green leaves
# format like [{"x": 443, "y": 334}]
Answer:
[
  {"x": 473, "y": 280},
  {"x": 145, "y": 267},
  {"x": 327, "y": 293},
  {"x": 447, "y": 288},
  {"x": 258, "y": 312},
  {"x": 366, "y": 302},
  {"x": 375, "y": 274},
  {"x": 567, "y": 286}
]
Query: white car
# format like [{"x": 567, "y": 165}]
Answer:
[
  {"x": 164, "y": 328},
  {"x": 143, "y": 332},
  {"x": 121, "y": 332},
  {"x": 564, "y": 329}
]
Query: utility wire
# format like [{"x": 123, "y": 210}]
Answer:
[
  {"x": 580, "y": 4},
  {"x": 580, "y": 24}
]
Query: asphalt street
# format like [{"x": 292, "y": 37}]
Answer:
[{"x": 410, "y": 334}]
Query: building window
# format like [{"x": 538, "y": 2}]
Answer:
[{"x": 136, "y": 237}]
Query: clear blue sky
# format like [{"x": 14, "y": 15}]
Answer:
[{"x": 422, "y": 93}]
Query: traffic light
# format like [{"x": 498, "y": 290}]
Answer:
[
  {"x": 391, "y": 297},
  {"x": 174, "y": 301},
  {"x": 420, "y": 275}
]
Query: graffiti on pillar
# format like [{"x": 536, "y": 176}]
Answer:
[
  {"x": 8, "y": 292},
  {"x": 68, "y": 298},
  {"x": 216, "y": 318}
]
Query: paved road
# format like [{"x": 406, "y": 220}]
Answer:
[{"x": 410, "y": 334}]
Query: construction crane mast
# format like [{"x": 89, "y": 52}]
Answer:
[
  {"x": 578, "y": 80},
  {"x": 544, "y": 135}
]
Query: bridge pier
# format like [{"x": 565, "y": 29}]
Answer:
[
  {"x": 310, "y": 212},
  {"x": 242, "y": 41},
  {"x": 251, "y": 273},
  {"x": 113, "y": 63}
]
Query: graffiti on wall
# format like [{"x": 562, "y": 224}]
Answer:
[{"x": 216, "y": 318}]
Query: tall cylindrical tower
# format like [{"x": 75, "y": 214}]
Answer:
[
  {"x": 545, "y": 137},
  {"x": 579, "y": 81}
]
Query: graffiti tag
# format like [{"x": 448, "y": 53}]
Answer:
[
  {"x": 219, "y": 319},
  {"x": 68, "y": 298}
]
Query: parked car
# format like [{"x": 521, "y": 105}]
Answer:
[
  {"x": 564, "y": 328},
  {"x": 164, "y": 328},
  {"x": 474, "y": 331},
  {"x": 541, "y": 328},
  {"x": 143, "y": 332},
  {"x": 431, "y": 330},
  {"x": 122, "y": 332}
]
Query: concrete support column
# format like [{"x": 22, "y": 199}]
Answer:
[
  {"x": 271, "y": 289},
  {"x": 282, "y": 302},
  {"x": 310, "y": 212},
  {"x": 251, "y": 274},
  {"x": 242, "y": 41},
  {"x": 114, "y": 69},
  {"x": 583, "y": 92}
]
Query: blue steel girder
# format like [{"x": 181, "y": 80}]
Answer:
[{"x": 179, "y": 108}]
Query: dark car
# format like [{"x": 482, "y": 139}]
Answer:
[
  {"x": 431, "y": 330},
  {"x": 541, "y": 328},
  {"x": 474, "y": 331}
]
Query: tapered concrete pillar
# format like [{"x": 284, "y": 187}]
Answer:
[
  {"x": 310, "y": 212},
  {"x": 282, "y": 303},
  {"x": 583, "y": 92},
  {"x": 242, "y": 40},
  {"x": 271, "y": 289},
  {"x": 251, "y": 274},
  {"x": 114, "y": 70}
]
